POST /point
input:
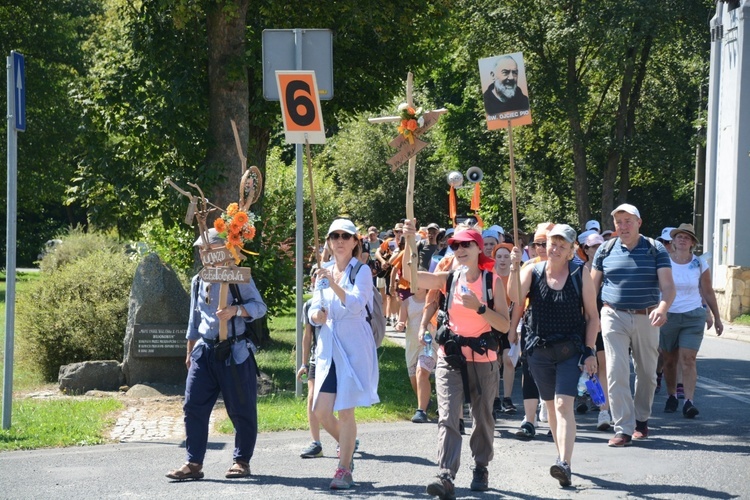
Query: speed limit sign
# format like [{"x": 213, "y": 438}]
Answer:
[{"x": 300, "y": 107}]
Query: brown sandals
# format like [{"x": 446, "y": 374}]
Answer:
[
  {"x": 237, "y": 470},
  {"x": 187, "y": 471}
]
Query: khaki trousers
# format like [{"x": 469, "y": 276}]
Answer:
[
  {"x": 622, "y": 330},
  {"x": 450, "y": 396}
]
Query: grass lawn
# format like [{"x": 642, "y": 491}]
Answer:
[
  {"x": 44, "y": 423},
  {"x": 742, "y": 320}
]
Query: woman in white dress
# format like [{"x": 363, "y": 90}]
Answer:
[{"x": 347, "y": 365}]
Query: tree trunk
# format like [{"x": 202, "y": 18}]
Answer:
[
  {"x": 581, "y": 181},
  {"x": 613, "y": 158},
  {"x": 635, "y": 100},
  {"x": 228, "y": 95}
]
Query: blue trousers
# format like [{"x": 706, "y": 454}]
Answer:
[{"x": 237, "y": 384}]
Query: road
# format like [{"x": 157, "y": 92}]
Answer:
[{"x": 708, "y": 457}]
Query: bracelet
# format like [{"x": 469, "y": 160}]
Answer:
[
  {"x": 592, "y": 351},
  {"x": 305, "y": 367}
]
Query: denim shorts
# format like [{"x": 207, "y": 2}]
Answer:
[
  {"x": 555, "y": 369},
  {"x": 684, "y": 330}
]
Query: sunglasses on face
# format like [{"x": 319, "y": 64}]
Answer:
[
  {"x": 343, "y": 236},
  {"x": 586, "y": 247},
  {"x": 463, "y": 244},
  {"x": 541, "y": 244}
]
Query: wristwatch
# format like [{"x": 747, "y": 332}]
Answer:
[
  {"x": 482, "y": 309},
  {"x": 239, "y": 311}
]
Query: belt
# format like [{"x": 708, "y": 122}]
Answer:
[{"x": 646, "y": 311}]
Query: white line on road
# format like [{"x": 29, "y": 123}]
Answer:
[{"x": 724, "y": 389}]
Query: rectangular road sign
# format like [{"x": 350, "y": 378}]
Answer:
[
  {"x": 298, "y": 49},
  {"x": 19, "y": 90}
]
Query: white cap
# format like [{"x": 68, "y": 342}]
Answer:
[
  {"x": 593, "y": 224},
  {"x": 342, "y": 225},
  {"x": 627, "y": 207},
  {"x": 666, "y": 233}
]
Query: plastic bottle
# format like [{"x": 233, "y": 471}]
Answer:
[
  {"x": 582, "y": 383},
  {"x": 320, "y": 285},
  {"x": 427, "y": 340}
]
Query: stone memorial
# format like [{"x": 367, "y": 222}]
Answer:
[{"x": 155, "y": 344}]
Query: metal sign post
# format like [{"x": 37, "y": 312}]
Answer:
[
  {"x": 16, "y": 121},
  {"x": 298, "y": 49}
]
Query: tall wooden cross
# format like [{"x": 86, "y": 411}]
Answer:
[{"x": 407, "y": 150}]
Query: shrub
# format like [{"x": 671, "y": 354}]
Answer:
[
  {"x": 77, "y": 313},
  {"x": 75, "y": 244},
  {"x": 173, "y": 244}
]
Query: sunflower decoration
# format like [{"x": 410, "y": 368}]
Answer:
[
  {"x": 411, "y": 120},
  {"x": 237, "y": 227}
]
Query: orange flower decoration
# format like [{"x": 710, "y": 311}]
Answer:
[
  {"x": 411, "y": 125},
  {"x": 232, "y": 209},
  {"x": 220, "y": 225},
  {"x": 249, "y": 233},
  {"x": 240, "y": 218},
  {"x": 234, "y": 240}
]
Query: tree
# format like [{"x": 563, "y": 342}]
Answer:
[
  {"x": 590, "y": 81},
  {"x": 49, "y": 35}
]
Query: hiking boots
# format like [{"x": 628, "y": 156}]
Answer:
[
  {"x": 480, "y": 481},
  {"x": 442, "y": 487}
]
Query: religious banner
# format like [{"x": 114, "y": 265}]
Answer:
[{"x": 505, "y": 91}]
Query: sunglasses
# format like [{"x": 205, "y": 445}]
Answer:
[
  {"x": 535, "y": 244},
  {"x": 343, "y": 236},
  {"x": 463, "y": 244}
]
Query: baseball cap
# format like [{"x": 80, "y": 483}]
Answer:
[
  {"x": 491, "y": 233},
  {"x": 594, "y": 239},
  {"x": 372, "y": 229},
  {"x": 342, "y": 225},
  {"x": 593, "y": 224},
  {"x": 627, "y": 207},
  {"x": 666, "y": 234},
  {"x": 582, "y": 237},
  {"x": 564, "y": 231},
  {"x": 434, "y": 226},
  {"x": 497, "y": 228}
]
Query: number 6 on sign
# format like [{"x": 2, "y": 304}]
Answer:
[{"x": 300, "y": 107}]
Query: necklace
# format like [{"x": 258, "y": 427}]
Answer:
[{"x": 682, "y": 259}]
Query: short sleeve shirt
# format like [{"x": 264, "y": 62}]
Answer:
[
  {"x": 630, "y": 279},
  {"x": 687, "y": 284}
]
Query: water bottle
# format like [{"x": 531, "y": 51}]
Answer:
[
  {"x": 427, "y": 340},
  {"x": 320, "y": 285},
  {"x": 582, "y": 383},
  {"x": 426, "y": 359},
  {"x": 595, "y": 390}
]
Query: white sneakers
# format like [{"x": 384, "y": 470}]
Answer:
[{"x": 604, "y": 421}]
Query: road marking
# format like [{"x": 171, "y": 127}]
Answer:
[{"x": 729, "y": 391}]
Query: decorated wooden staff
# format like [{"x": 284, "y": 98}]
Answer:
[
  {"x": 236, "y": 225},
  {"x": 413, "y": 123}
]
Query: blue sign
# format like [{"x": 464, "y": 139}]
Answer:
[{"x": 19, "y": 90}]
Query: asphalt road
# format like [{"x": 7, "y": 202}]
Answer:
[{"x": 708, "y": 457}]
